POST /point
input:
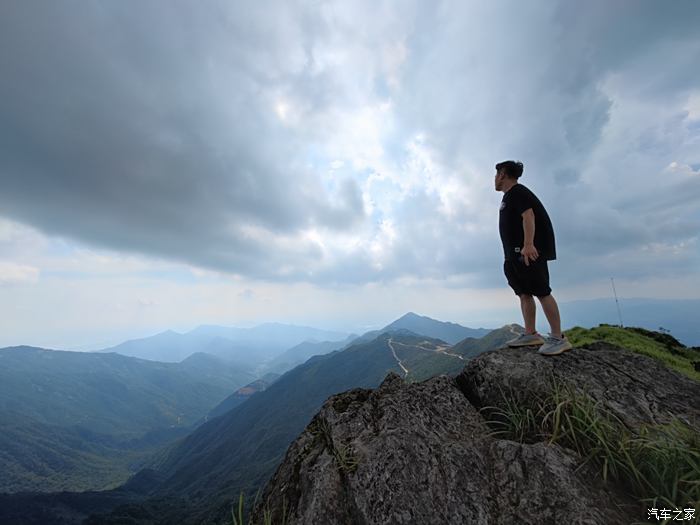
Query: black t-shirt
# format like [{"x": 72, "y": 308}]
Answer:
[{"x": 515, "y": 201}]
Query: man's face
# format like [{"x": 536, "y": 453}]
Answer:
[{"x": 500, "y": 175}]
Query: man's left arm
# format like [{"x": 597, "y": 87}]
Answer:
[{"x": 528, "y": 251}]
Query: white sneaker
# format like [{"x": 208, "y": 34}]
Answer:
[
  {"x": 554, "y": 345},
  {"x": 526, "y": 340}
]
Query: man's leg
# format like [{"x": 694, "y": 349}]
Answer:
[
  {"x": 551, "y": 311},
  {"x": 527, "y": 305}
]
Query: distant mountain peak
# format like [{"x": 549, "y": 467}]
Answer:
[
  {"x": 413, "y": 315},
  {"x": 424, "y": 325}
]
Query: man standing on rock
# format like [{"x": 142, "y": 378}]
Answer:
[{"x": 528, "y": 243}]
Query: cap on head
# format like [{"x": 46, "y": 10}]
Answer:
[{"x": 511, "y": 168}]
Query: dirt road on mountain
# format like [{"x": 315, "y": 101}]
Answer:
[
  {"x": 405, "y": 370},
  {"x": 421, "y": 346}
]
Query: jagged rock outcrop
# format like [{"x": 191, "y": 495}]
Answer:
[
  {"x": 637, "y": 389},
  {"x": 424, "y": 453}
]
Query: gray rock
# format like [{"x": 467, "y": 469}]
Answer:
[
  {"x": 409, "y": 453},
  {"x": 637, "y": 389}
]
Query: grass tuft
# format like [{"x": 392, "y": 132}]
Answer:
[
  {"x": 658, "y": 464},
  {"x": 237, "y": 513},
  {"x": 344, "y": 458}
]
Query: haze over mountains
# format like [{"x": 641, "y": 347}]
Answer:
[
  {"x": 300, "y": 353},
  {"x": 246, "y": 346},
  {"x": 79, "y": 420},
  {"x": 257, "y": 346}
]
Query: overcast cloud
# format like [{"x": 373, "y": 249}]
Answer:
[{"x": 348, "y": 143}]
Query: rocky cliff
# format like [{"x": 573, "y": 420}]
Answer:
[{"x": 429, "y": 452}]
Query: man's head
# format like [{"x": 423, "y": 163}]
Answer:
[{"x": 507, "y": 174}]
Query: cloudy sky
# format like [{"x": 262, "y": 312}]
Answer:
[{"x": 165, "y": 164}]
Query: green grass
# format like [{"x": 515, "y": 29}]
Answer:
[
  {"x": 343, "y": 454},
  {"x": 645, "y": 342},
  {"x": 658, "y": 464},
  {"x": 237, "y": 514}
]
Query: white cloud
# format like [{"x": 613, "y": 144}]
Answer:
[
  {"x": 17, "y": 273},
  {"x": 693, "y": 105},
  {"x": 684, "y": 169}
]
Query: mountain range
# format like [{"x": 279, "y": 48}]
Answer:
[
  {"x": 87, "y": 420},
  {"x": 232, "y": 446}
]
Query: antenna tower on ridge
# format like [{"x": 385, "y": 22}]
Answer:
[{"x": 619, "y": 314}]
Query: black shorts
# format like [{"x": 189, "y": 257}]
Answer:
[{"x": 531, "y": 280}]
